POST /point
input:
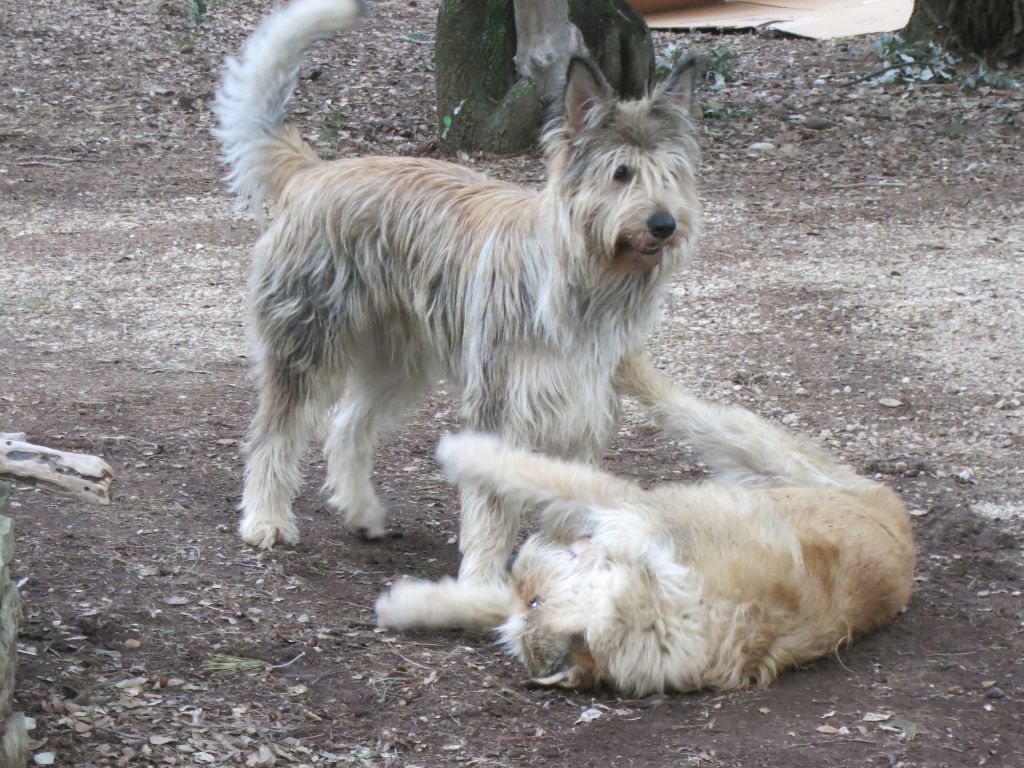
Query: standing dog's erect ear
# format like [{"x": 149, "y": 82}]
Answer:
[
  {"x": 585, "y": 88},
  {"x": 681, "y": 81}
]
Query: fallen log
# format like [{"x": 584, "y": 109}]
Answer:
[{"x": 81, "y": 475}]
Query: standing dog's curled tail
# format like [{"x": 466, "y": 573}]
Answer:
[{"x": 261, "y": 150}]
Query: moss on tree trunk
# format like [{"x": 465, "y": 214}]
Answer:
[
  {"x": 990, "y": 28},
  {"x": 483, "y": 104}
]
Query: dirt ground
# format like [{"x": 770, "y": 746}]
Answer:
[{"x": 862, "y": 280}]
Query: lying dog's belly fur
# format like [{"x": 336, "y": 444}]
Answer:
[{"x": 723, "y": 588}]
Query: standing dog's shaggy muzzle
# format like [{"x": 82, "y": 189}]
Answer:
[{"x": 661, "y": 225}]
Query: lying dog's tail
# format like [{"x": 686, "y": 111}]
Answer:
[
  {"x": 262, "y": 151},
  {"x": 445, "y": 603},
  {"x": 739, "y": 447}
]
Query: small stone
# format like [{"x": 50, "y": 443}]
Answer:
[
  {"x": 987, "y": 683},
  {"x": 132, "y": 644},
  {"x": 876, "y": 717},
  {"x": 994, "y": 693},
  {"x": 964, "y": 476},
  {"x": 890, "y": 402},
  {"x": 764, "y": 147},
  {"x": 817, "y": 123}
]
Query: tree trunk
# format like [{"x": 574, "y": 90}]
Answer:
[
  {"x": 545, "y": 39},
  {"x": 990, "y": 28},
  {"x": 484, "y": 103}
]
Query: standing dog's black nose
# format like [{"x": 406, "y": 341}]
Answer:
[{"x": 661, "y": 225}]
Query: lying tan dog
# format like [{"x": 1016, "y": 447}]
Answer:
[{"x": 782, "y": 559}]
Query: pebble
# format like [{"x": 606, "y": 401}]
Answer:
[
  {"x": 994, "y": 693},
  {"x": 964, "y": 476},
  {"x": 817, "y": 123},
  {"x": 890, "y": 402},
  {"x": 761, "y": 146}
]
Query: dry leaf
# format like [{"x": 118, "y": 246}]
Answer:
[
  {"x": 588, "y": 715},
  {"x": 132, "y": 682},
  {"x": 262, "y": 759}
]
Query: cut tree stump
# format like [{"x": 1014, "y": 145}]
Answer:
[{"x": 83, "y": 476}]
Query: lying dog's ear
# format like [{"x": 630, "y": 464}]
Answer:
[{"x": 577, "y": 670}]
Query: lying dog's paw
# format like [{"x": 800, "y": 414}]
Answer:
[
  {"x": 467, "y": 453},
  {"x": 404, "y": 605}
]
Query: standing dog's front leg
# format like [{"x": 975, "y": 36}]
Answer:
[{"x": 487, "y": 534}]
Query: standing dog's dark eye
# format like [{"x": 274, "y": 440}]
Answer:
[
  {"x": 622, "y": 174},
  {"x": 534, "y": 602}
]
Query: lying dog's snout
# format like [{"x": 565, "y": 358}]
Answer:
[{"x": 661, "y": 225}]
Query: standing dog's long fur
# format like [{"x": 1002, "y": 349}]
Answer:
[
  {"x": 379, "y": 275},
  {"x": 780, "y": 560}
]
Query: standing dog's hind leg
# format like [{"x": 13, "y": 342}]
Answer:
[
  {"x": 278, "y": 438},
  {"x": 370, "y": 403}
]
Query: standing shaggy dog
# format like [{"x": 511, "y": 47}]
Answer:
[
  {"x": 380, "y": 275},
  {"x": 781, "y": 560}
]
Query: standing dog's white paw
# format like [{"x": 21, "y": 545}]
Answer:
[
  {"x": 265, "y": 534},
  {"x": 366, "y": 517}
]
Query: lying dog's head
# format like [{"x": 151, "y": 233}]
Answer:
[{"x": 584, "y": 616}]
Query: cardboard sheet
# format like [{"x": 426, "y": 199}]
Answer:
[{"x": 807, "y": 18}]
